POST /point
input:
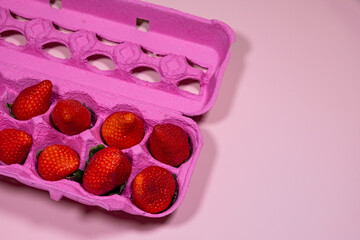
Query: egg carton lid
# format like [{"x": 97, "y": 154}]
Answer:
[{"x": 180, "y": 43}]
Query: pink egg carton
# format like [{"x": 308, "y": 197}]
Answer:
[{"x": 173, "y": 43}]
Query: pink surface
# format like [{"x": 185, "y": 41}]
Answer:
[{"x": 281, "y": 152}]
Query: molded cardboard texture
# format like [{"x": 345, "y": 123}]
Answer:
[{"x": 179, "y": 43}]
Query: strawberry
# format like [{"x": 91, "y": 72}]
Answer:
[
  {"x": 123, "y": 130},
  {"x": 57, "y": 162},
  {"x": 32, "y": 101},
  {"x": 106, "y": 170},
  {"x": 153, "y": 189},
  {"x": 14, "y": 146},
  {"x": 169, "y": 144},
  {"x": 71, "y": 117}
]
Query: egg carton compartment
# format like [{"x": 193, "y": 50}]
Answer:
[
  {"x": 8, "y": 122},
  {"x": 13, "y": 88},
  {"x": 44, "y": 134},
  {"x": 82, "y": 97},
  {"x": 103, "y": 112},
  {"x": 134, "y": 37}
]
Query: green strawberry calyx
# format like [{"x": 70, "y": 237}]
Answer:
[
  {"x": 9, "y": 106},
  {"x": 116, "y": 191},
  {"x": 38, "y": 154},
  {"x": 94, "y": 150},
  {"x": 77, "y": 176}
]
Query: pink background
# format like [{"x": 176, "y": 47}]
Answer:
[{"x": 281, "y": 158}]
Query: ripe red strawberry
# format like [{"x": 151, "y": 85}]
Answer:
[
  {"x": 153, "y": 189},
  {"x": 32, "y": 101},
  {"x": 14, "y": 146},
  {"x": 123, "y": 130},
  {"x": 169, "y": 144},
  {"x": 57, "y": 162},
  {"x": 106, "y": 170},
  {"x": 71, "y": 117}
]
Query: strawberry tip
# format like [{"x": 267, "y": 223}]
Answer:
[{"x": 129, "y": 118}]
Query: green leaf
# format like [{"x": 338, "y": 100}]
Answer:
[
  {"x": 76, "y": 176},
  {"x": 175, "y": 176},
  {"x": 38, "y": 154},
  {"x": 94, "y": 150},
  {"x": 8, "y": 105}
]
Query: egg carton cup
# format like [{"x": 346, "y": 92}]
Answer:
[{"x": 179, "y": 44}]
